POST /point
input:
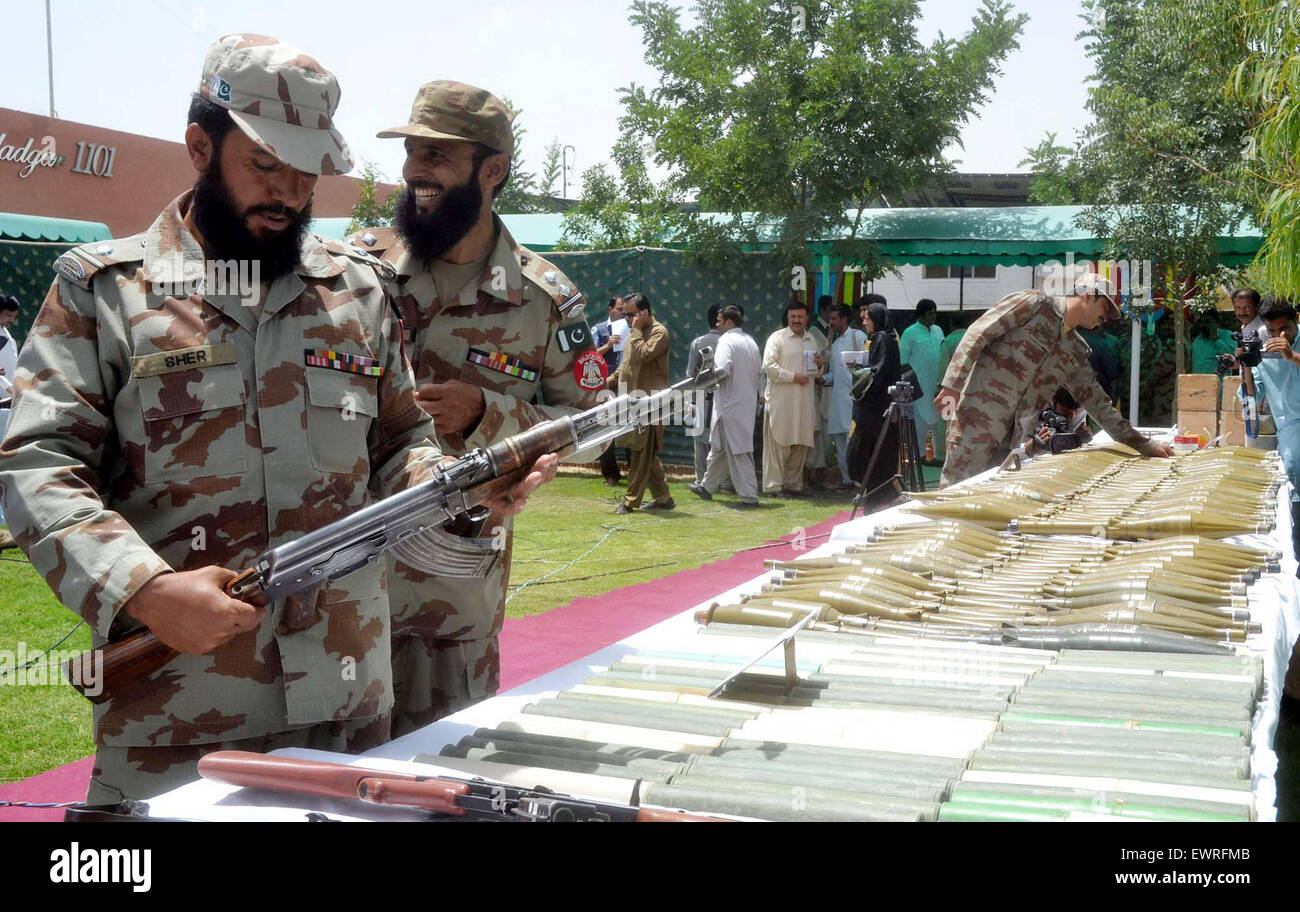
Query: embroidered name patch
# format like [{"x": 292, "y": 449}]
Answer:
[
  {"x": 341, "y": 361},
  {"x": 505, "y": 364},
  {"x": 182, "y": 359}
]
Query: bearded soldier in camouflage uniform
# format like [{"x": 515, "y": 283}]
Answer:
[
  {"x": 498, "y": 341},
  {"x": 169, "y": 428},
  {"x": 1008, "y": 365}
]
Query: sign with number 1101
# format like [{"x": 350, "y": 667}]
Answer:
[{"x": 92, "y": 158}]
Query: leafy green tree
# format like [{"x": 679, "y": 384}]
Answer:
[
  {"x": 623, "y": 209},
  {"x": 1268, "y": 83},
  {"x": 369, "y": 211},
  {"x": 781, "y": 115},
  {"x": 1058, "y": 179},
  {"x": 1164, "y": 138}
]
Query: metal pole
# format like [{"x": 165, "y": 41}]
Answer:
[
  {"x": 1134, "y": 357},
  {"x": 49, "y": 50},
  {"x": 564, "y": 169}
]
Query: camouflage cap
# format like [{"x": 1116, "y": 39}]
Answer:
[
  {"x": 453, "y": 110},
  {"x": 1090, "y": 283},
  {"x": 281, "y": 98}
]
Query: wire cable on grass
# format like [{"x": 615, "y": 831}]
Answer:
[
  {"x": 44, "y": 652},
  {"x": 547, "y": 576}
]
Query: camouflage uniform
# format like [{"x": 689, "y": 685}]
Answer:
[
  {"x": 527, "y": 314},
  {"x": 154, "y": 433},
  {"x": 1007, "y": 366}
]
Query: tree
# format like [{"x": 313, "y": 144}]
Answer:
[
  {"x": 368, "y": 211},
  {"x": 1163, "y": 140},
  {"x": 1267, "y": 82},
  {"x": 550, "y": 183},
  {"x": 1058, "y": 179},
  {"x": 623, "y": 210},
  {"x": 781, "y": 115},
  {"x": 519, "y": 193}
]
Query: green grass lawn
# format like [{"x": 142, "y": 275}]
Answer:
[{"x": 569, "y": 535}]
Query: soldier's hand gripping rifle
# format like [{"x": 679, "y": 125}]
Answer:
[
  {"x": 471, "y": 799},
  {"x": 406, "y": 523}
]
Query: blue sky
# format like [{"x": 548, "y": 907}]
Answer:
[{"x": 131, "y": 65}]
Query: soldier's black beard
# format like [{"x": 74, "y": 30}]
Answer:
[
  {"x": 226, "y": 235},
  {"x": 429, "y": 235}
]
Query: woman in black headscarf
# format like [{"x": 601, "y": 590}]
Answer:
[{"x": 869, "y": 411}]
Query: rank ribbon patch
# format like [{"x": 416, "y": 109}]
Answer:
[
  {"x": 503, "y": 363},
  {"x": 342, "y": 361}
]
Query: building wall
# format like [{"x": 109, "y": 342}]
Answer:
[
  {"x": 146, "y": 174},
  {"x": 903, "y": 290}
]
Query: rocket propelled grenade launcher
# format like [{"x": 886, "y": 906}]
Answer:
[{"x": 409, "y": 523}]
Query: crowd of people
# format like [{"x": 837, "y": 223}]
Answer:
[{"x": 814, "y": 395}]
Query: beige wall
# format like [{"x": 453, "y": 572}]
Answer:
[{"x": 147, "y": 174}]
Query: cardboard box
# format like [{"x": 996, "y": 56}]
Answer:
[
  {"x": 1196, "y": 392},
  {"x": 1232, "y": 424}
]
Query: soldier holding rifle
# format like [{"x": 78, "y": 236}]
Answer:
[
  {"x": 168, "y": 429},
  {"x": 498, "y": 342}
]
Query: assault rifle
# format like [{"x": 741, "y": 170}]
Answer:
[
  {"x": 474, "y": 799},
  {"x": 407, "y": 523}
]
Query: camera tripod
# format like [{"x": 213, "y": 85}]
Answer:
[{"x": 901, "y": 417}]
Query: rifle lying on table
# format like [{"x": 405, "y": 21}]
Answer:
[
  {"x": 403, "y": 522},
  {"x": 474, "y": 799}
]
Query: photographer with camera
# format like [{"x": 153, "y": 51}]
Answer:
[
  {"x": 1011, "y": 359},
  {"x": 1272, "y": 369},
  {"x": 1060, "y": 426}
]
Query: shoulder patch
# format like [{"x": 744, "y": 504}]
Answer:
[
  {"x": 338, "y": 248},
  {"x": 559, "y": 287},
  {"x": 373, "y": 241},
  {"x": 71, "y": 268},
  {"x": 573, "y": 336},
  {"x": 80, "y": 264}
]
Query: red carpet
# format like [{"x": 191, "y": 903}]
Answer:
[{"x": 530, "y": 646}]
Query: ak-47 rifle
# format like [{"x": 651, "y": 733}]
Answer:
[
  {"x": 406, "y": 523},
  {"x": 474, "y": 799}
]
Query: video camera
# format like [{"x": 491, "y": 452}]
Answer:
[
  {"x": 904, "y": 392},
  {"x": 1058, "y": 426},
  {"x": 1252, "y": 352},
  {"x": 1252, "y": 348}
]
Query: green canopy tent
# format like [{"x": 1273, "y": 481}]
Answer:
[
  {"x": 29, "y": 245},
  {"x": 1011, "y": 236}
]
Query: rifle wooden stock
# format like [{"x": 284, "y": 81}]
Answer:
[
  {"x": 135, "y": 656},
  {"x": 430, "y": 793},
  {"x": 332, "y": 780}
]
